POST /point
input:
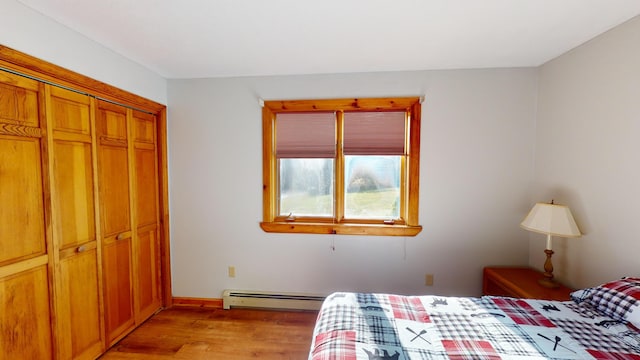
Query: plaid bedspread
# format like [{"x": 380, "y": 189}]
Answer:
[{"x": 356, "y": 326}]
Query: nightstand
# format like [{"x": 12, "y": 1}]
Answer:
[{"x": 519, "y": 282}]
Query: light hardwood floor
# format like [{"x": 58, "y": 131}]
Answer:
[{"x": 205, "y": 333}]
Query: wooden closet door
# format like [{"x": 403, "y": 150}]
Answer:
[
  {"x": 146, "y": 219},
  {"x": 115, "y": 194},
  {"x": 78, "y": 307},
  {"x": 25, "y": 330}
]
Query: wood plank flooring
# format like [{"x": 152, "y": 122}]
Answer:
[{"x": 205, "y": 333}]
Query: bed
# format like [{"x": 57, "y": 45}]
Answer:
[{"x": 598, "y": 323}]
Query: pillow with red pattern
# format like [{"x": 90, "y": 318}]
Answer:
[{"x": 619, "y": 299}]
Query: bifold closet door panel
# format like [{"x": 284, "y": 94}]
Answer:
[
  {"x": 148, "y": 294},
  {"x": 115, "y": 215},
  {"x": 25, "y": 329},
  {"x": 78, "y": 296}
]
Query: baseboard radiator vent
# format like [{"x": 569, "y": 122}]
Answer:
[{"x": 271, "y": 300}]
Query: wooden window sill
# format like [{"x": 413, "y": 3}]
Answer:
[{"x": 341, "y": 229}]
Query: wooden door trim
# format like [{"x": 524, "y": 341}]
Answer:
[
  {"x": 40, "y": 69},
  {"x": 163, "y": 179}
]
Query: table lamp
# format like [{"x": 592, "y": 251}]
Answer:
[{"x": 553, "y": 220}]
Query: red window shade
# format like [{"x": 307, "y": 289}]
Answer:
[
  {"x": 374, "y": 133},
  {"x": 305, "y": 135}
]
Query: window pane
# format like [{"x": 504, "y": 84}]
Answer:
[
  {"x": 372, "y": 185},
  {"x": 306, "y": 187}
]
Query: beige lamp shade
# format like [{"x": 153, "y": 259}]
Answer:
[{"x": 551, "y": 219}]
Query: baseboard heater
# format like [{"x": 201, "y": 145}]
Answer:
[{"x": 271, "y": 300}]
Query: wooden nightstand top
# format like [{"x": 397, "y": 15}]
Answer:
[{"x": 521, "y": 282}]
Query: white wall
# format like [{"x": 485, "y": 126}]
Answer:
[
  {"x": 26, "y": 30},
  {"x": 481, "y": 131},
  {"x": 476, "y": 168},
  {"x": 587, "y": 156}
]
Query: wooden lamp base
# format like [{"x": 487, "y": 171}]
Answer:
[
  {"x": 548, "y": 283},
  {"x": 547, "y": 280}
]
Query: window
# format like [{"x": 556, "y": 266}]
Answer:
[{"x": 346, "y": 166}]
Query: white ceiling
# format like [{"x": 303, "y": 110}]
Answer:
[{"x": 220, "y": 38}]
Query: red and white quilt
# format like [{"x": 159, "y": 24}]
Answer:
[{"x": 358, "y": 326}]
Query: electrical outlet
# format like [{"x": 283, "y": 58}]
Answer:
[
  {"x": 232, "y": 271},
  {"x": 428, "y": 280}
]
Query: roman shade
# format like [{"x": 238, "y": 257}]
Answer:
[
  {"x": 374, "y": 133},
  {"x": 306, "y": 135}
]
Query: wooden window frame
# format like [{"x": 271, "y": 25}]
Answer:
[{"x": 407, "y": 225}]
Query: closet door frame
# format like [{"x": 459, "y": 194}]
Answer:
[{"x": 21, "y": 63}]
